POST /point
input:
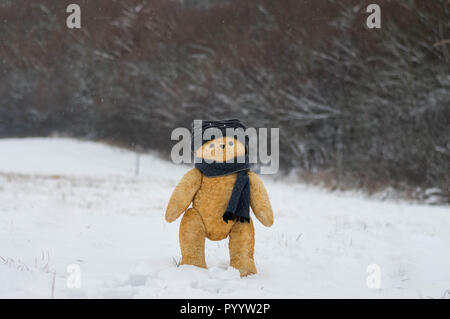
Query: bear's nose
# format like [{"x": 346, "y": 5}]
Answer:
[{"x": 222, "y": 146}]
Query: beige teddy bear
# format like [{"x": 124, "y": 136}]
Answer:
[{"x": 210, "y": 215}]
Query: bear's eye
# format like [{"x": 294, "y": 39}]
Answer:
[
  {"x": 230, "y": 143},
  {"x": 211, "y": 145}
]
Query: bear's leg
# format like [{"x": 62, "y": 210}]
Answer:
[
  {"x": 241, "y": 245},
  {"x": 192, "y": 239}
]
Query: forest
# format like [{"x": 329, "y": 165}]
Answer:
[{"x": 357, "y": 108}]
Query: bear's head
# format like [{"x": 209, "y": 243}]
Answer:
[{"x": 223, "y": 149}]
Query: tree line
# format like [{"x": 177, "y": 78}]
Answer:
[{"x": 356, "y": 107}]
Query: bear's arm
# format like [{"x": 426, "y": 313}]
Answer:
[
  {"x": 259, "y": 200},
  {"x": 183, "y": 194}
]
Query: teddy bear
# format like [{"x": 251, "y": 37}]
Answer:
[{"x": 221, "y": 188}]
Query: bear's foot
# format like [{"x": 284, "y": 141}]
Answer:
[
  {"x": 194, "y": 261},
  {"x": 241, "y": 245},
  {"x": 192, "y": 239},
  {"x": 245, "y": 268}
]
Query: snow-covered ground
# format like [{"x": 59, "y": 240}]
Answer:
[{"x": 65, "y": 202}]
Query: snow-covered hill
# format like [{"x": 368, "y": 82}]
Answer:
[{"x": 65, "y": 202}]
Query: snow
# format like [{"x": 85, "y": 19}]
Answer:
[{"x": 66, "y": 202}]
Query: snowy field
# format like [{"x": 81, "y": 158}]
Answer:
[{"x": 66, "y": 202}]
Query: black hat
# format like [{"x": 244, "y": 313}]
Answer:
[{"x": 222, "y": 125}]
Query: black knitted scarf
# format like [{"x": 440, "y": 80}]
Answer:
[
  {"x": 238, "y": 205},
  {"x": 238, "y": 208}
]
